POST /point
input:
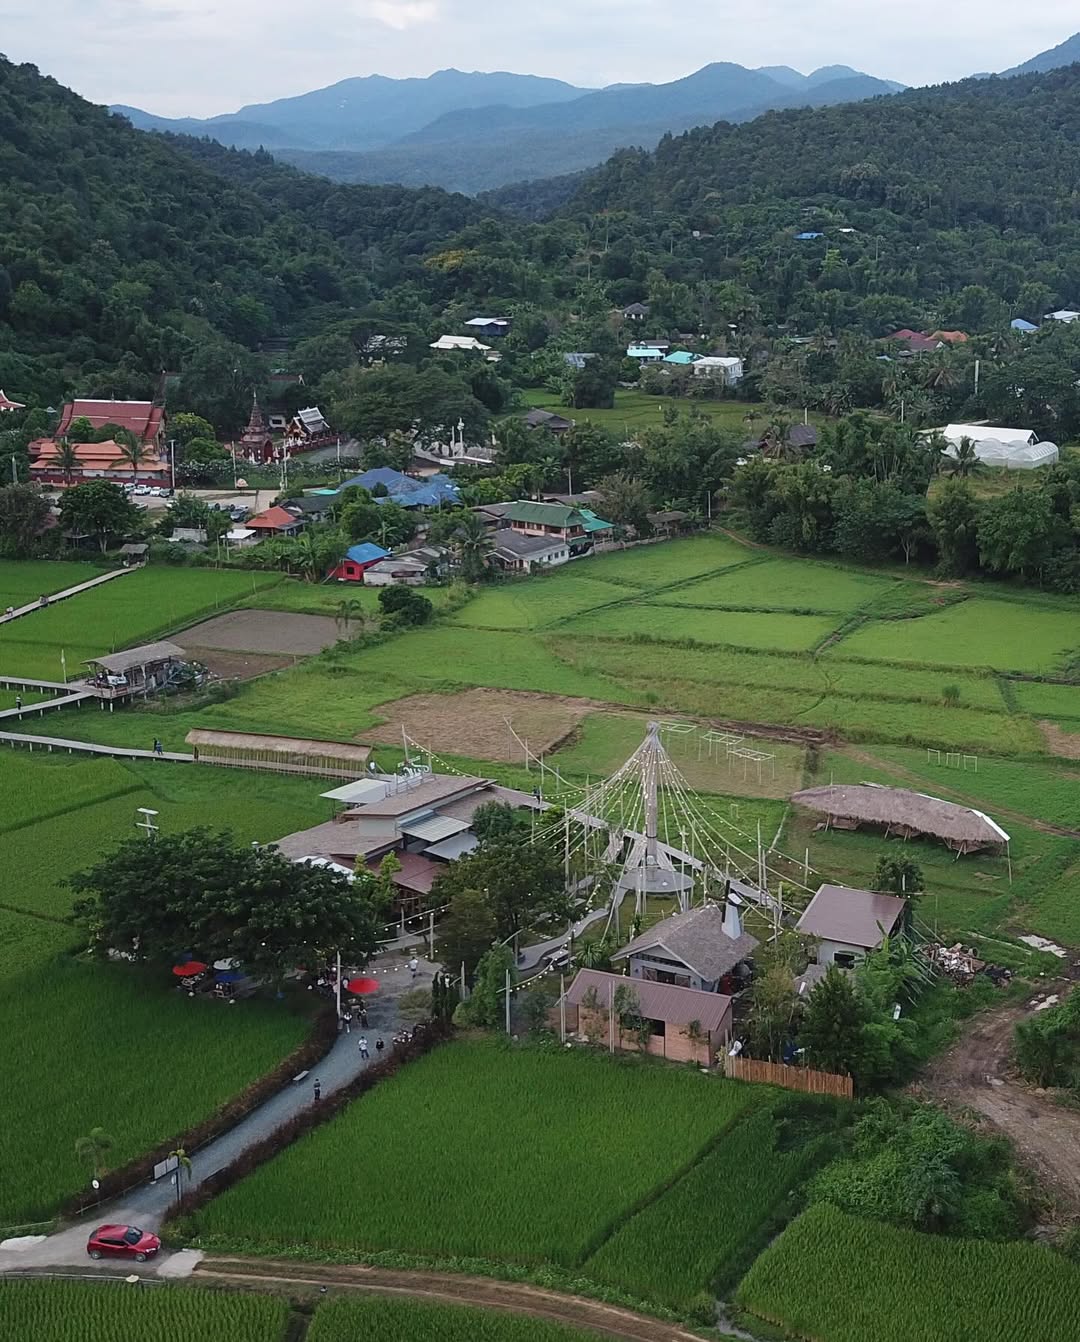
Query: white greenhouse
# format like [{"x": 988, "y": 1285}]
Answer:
[{"x": 1007, "y": 449}]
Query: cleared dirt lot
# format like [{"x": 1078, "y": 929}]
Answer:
[
  {"x": 474, "y": 722},
  {"x": 265, "y": 631}
]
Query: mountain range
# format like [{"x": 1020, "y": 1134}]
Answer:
[{"x": 476, "y": 131}]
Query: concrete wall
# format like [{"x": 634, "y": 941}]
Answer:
[
  {"x": 675, "y": 1045},
  {"x": 828, "y": 950}
]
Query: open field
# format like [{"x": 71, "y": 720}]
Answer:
[
  {"x": 541, "y": 1178},
  {"x": 533, "y": 605},
  {"x": 836, "y": 1278},
  {"x": 785, "y": 584},
  {"x": 382, "y": 1320},
  {"x": 265, "y": 631},
  {"x": 738, "y": 629},
  {"x": 24, "y": 580},
  {"x": 73, "y": 1311},
  {"x": 326, "y": 598},
  {"x": 136, "y": 608},
  {"x": 634, "y": 410}
]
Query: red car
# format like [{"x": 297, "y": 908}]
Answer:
[{"x": 123, "y": 1242}]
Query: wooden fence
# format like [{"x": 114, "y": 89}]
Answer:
[{"x": 791, "y": 1078}]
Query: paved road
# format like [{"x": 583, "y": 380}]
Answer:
[{"x": 146, "y": 1205}]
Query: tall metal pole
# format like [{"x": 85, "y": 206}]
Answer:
[
  {"x": 431, "y": 936},
  {"x": 337, "y": 989},
  {"x": 562, "y": 1008},
  {"x": 508, "y": 1001}
]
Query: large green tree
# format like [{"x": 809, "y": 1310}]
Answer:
[
  {"x": 833, "y": 1029},
  {"x": 101, "y": 509},
  {"x": 23, "y": 514}
]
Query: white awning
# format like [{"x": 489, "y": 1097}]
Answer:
[
  {"x": 435, "y": 828},
  {"x": 454, "y": 847},
  {"x": 358, "y": 793}
]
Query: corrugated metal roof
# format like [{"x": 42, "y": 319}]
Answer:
[
  {"x": 545, "y": 514},
  {"x": 355, "y": 794},
  {"x": 656, "y": 1001},
  {"x": 148, "y": 654},
  {"x": 853, "y": 917},
  {"x": 454, "y": 847},
  {"x": 434, "y": 828}
]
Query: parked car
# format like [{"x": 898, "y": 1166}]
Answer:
[
  {"x": 142, "y": 489},
  {"x": 119, "y": 1241}
]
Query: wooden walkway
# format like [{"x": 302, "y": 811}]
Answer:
[
  {"x": 52, "y": 743},
  {"x": 44, "y": 706},
  {"x": 7, "y": 616},
  {"x": 29, "y": 683}
]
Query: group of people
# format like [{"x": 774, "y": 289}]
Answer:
[{"x": 348, "y": 1016}]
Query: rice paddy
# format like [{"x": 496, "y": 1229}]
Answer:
[{"x": 345, "y": 1319}]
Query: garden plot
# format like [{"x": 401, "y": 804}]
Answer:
[
  {"x": 264, "y": 631},
  {"x": 481, "y": 724}
]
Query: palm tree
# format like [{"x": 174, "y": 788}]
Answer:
[
  {"x": 966, "y": 461},
  {"x": 346, "y": 613},
  {"x": 777, "y": 439},
  {"x": 93, "y": 1149},
  {"x": 66, "y": 457},
  {"x": 473, "y": 545},
  {"x": 306, "y": 554},
  {"x": 135, "y": 453}
]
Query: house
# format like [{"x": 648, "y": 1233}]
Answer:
[
  {"x": 318, "y": 506},
  {"x": 645, "y": 353},
  {"x": 384, "y": 346},
  {"x": 546, "y": 419},
  {"x": 595, "y": 527},
  {"x": 411, "y": 568},
  {"x": 915, "y": 342},
  {"x": 96, "y": 461},
  {"x": 465, "y": 344},
  {"x": 636, "y": 312},
  {"x": 681, "y": 358},
  {"x": 516, "y": 552},
  {"x": 6, "y": 403},
  {"x": 241, "y": 538},
  {"x": 682, "y": 1024},
  {"x": 669, "y": 523},
  {"x": 725, "y": 368},
  {"x": 807, "y": 237},
  {"x": 950, "y": 337},
  {"x": 493, "y": 328},
  {"x": 403, "y": 490},
  {"x": 1022, "y": 326},
  {"x": 577, "y": 360},
  {"x": 145, "y": 419},
  {"x": 358, "y": 559},
  {"x": 551, "y": 521},
  {"x": 137, "y": 671},
  {"x": 848, "y": 924},
  {"x": 276, "y": 521},
  {"x": 800, "y": 438},
  {"x": 492, "y": 514},
  {"x": 703, "y": 949},
  {"x": 1066, "y": 315}
]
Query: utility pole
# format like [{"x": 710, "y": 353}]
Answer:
[
  {"x": 508, "y": 1001},
  {"x": 337, "y": 989},
  {"x": 562, "y": 1008}
]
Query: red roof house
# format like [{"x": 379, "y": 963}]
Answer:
[
  {"x": 96, "y": 461},
  {"x": 275, "y": 521},
  {"x": 143, "y": 418}
]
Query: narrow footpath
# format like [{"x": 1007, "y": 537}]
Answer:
[{"x": 19, "y": 611}]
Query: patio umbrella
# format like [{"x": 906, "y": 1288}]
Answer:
[
  {"x": 362, "y": 987},
  {"x": 188, "y": 968},
  {"x": 226, "y": 964}
]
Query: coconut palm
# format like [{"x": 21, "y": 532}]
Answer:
[
  {"x": 472, "y": 544},
  {"x": 66, "y": 459},
  {"x": 346, "y": 612},
  {"x": 93, "y": 1149},
  {"x": 965, "y": 462},
  {"x": 134, "y": 453}
]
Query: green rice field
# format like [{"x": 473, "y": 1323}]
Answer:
[
  {"x": 24, "y": 580},
  {"x": 380, "y": 1320},
  {"x": 562, "y": 1147},
  {"x": 836, "y": 1278},
  {"x": 108, "y": 1311}
]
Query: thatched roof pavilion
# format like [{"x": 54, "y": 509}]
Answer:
[{"x": 904, "y": 813}]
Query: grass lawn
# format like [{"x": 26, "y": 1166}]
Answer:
[
  {"x": 981, "y": 632},
  {"x": 652, "y": 566},
  {"x": 1049, "y": 701},
  {"x": 137, "y": 608},
  {"x": 635, "y": 410},
  {"x": 534, "y": 605},
  {"x": 325, "y": 598},
  {"x": 560, "y": 1147},
  {"x": 837, "y": 1278},
  {"x": 788, "y": 584},
  {"x": 106, "y": 1311},
  {"x": 737, "y": 629},
  {"x": 24, "y": 580}
]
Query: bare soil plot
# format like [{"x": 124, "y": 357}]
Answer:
[
  {"x": 474, "y": 722},
  {"x": 1060, "y": 742},
  {"x": 267, "y": 631},
  {"x": 238, "y": 665}
]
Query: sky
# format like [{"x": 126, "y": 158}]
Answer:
[{"x": 202, "y": 57}]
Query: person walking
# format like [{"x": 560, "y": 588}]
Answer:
[
  {"x": 414, "y": 965},
  {"x": 346, "y": 1021},
  {"x": 159, "y": 749},
  {"x": 18, "y": 701},
  {"x": 379, "y": 1045},
  {"x": 363, "y": 1047},
  {"x": 317, "y": 1088},
  {"x": 363, "y": 1018}
]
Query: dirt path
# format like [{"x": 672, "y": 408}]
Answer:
[
  {"x": 447, "y": 1288},
  {"x": 976, "y": 1074}
]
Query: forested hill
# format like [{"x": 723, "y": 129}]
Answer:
[
  {"x": 122, "y": 253},
  {"x": 972, "y": 184}
]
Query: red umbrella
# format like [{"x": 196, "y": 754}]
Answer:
[
  {"x": 362, "y": 986},
  {"x": 188, "y": 968}
]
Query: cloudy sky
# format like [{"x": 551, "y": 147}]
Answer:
[{"x": 200, "y": 57}]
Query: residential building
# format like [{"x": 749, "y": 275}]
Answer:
[
  {"x": 6, "y": 403},
  {"x": 145, "y": 419},
  {"x": 1022, "y": 326},
  {"x": 848, "y": 924},
  {"x": 950, "y": 337},
  {"x": 411, "y": 568},
  {"x": 725, "y": 368},
  {"x": 681, "y": 358},
  {"x": 403, "y": 490},
  {"x": 546, "y": 419},
  {"x": 552, "y": 521},
  {"x": 808, "y": 237},
  {"x": 516, "y": 552},
  {"x": 492, "y": 328},
  {"x": 465, "y": 344},
  {"x": 636, "y": 312},
  {"x": 645, "y": 353},
  {"x": 704, "y": 949},
  {"x": 577, "y": 360},
  {"x": 681, "y": 1024},
  {"x": 276, "y": 521},
  {"x": 357, "y": 560},
  {"x": 1066, "y": 315}
]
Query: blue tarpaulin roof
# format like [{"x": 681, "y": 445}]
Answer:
[
  {"x": 367, "y": 553},
  {"x": 406, "y": 491}
]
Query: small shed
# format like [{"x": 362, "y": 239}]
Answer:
[
  {"x": 137, "y": 671},
  {"x": 904, "y": 813},
  {"x": 849, "y": 923},
  {"x": 357, "y": 560}
]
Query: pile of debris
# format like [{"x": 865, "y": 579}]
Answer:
[{"x": 961, "y": 965}]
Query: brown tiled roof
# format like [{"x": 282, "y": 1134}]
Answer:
[
  {"x": 853, "y": 917},
  {"x": 272, "y": 519},
  {"x": 656, "y": 1001},
  {"x": 417, "y": 872},
  {"x": 339, "y": 840},
  {"x": 698, "y": 939},
  {"x": 141, "y": 417}
]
